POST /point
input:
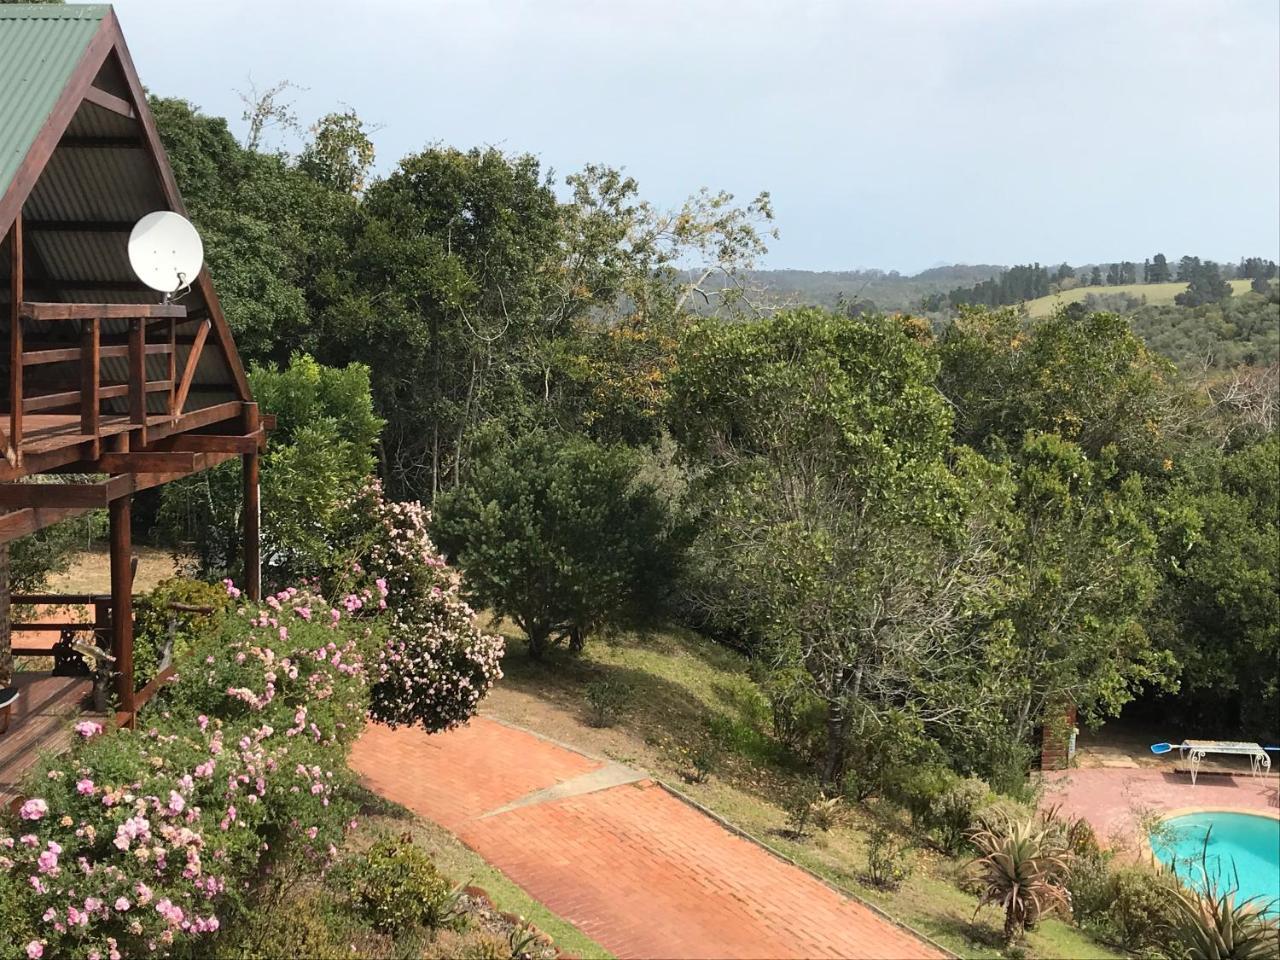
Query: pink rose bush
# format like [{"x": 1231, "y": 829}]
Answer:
[
  {"x": 137, "y": 843},
  {"x": 436, "y": 664}
]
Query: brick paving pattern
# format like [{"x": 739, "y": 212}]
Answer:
[
  {"x": 1113, "y": 799},
  {"x": 636, "y": 869}
]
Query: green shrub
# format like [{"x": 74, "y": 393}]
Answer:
[
  {"x": 312, "y": 926},
  {"x": 920, "y": 789},
  {"x": 1000, "y": 810},
  {"x": 1142, "y": 908},
  {"x": 890, "y": 859},
  {"x": 559, "y": 534},
  {"x": 1089, "y": 883},
  {"x": 398, "y": 888},
  {"x": 798, "y": 717},
  {"x": 952, "y": 813},
  {"x": 606, "y": 699},
  {"x": 155, "y": 621}
]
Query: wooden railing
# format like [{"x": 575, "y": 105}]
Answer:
[
  {"x": 100, "y": 627},
  {"x": 91, "y": 391}
]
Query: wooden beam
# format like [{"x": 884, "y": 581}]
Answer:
[
  {"x": 109, "y": 101},
  {"x": 172, "y": 364},
  {"x": 79, "y": 226},
  {"x": 138, "y": 376},
  {"x": 252, "y": 511},
  {"x": 64, "y": 496},
  {"x": 103, "y": 311},
  {"x": 90, "y": 376},
  {"x": 216, "y": 443},
  {"x": 50, "y": 401},
  {"x": 110, "y": 286},
  {"x": 142, "y": 461},
  {"x": 196, "y": 419},
  {"x": 189, "y": 372},
  {"x": 33, "y": 358},
  {"x": 119, "y": 517},
  {"x": 13, "y": 451},
  {"x": 100, "y": 143},
  {"x": 20, "y": 523}
]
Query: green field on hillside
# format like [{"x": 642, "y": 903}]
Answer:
[{"x": 1156, "y": 294}]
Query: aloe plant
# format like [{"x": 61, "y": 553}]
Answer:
[
  {"x": 1021, "y": 867},
  {"x": 1214, "y": 925}
]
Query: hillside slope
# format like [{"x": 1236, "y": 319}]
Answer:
[{"x": 1156, "y": 295}]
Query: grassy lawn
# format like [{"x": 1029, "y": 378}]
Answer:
[
  {"x": 679, "y": 682},
  {"x": 1157, "y": 294}
]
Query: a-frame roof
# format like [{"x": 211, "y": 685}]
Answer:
[
  {"x": 80, "y": 163},
  {"x": 40, "y": 46}
]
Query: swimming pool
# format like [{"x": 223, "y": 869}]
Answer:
[{"x": 1240, "y": 844}]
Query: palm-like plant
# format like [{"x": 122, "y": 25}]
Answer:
[
  {"x": 1213, "y": 926},
  {"x": 1022, "y": 867}
]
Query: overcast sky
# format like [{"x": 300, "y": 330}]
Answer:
[{"x": 891, "y": 134}]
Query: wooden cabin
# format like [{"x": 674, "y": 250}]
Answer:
[{"x": 106, "y": 380}]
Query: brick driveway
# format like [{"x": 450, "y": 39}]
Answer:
[{"x": 633, "y": 867}]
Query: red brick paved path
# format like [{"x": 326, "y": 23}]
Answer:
[{"x": 636, "y": 869}]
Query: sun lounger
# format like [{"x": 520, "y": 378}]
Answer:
[{"x": 1194, "y": 752}]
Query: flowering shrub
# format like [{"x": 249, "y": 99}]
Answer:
[
  {"x": 437, "y": 664},
  {"x": 140, "y": 842}
]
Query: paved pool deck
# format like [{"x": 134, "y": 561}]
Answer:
[{"x": 1114, "y": 799}]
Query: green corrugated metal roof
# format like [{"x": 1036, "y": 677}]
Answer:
[{"x": 40, "y": 45}]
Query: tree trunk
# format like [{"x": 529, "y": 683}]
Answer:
[
  {"x": 1012, "y": 928},
  {"x": 576, "y": 639},
  {"x": 838, "y": 726},
  {"x": 837, "y": 723},
  {"x": 538, "y": 636}
]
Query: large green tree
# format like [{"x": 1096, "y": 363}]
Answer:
[
  {"x": 1068, "y": 626},
  {"x": 318, "y": 459},
  {"x": 1220, "y": 601},
  {"x": 832, "y": 529},
  {"x": 1086, "y": 378},
  {"x": 560, "y": 534}
]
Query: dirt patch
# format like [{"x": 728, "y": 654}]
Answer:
[{"x": 91, "y": 571}]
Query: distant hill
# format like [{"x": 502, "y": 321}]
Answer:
[
  {"x": 887, "y": 289},
  {"x": 1153, "y": 294}
]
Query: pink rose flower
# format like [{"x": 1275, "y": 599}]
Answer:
[{"x": 33, "y": 809}]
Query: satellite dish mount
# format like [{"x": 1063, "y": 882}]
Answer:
[{"x": 166, "y": 252}]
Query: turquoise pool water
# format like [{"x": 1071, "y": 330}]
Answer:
[{"x": 1240, "y": 844}]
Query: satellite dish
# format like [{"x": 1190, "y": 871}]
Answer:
[{"x": 165, "y": 251}]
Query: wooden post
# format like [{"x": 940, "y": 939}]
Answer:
[
  {"x": 119, "y": 514},
  {"x": 16, "y": 296},
  {"x": 173, "y": 367},
  {"x": 138, "y": 376},
  {"x": 90, "y": 364},
  {"x": 252, "y": 511},
  {"x": 6, "y": 639}
]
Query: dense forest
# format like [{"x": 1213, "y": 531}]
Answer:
[{"x": 921, "y": 528}]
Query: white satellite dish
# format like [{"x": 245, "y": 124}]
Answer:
[{"x": 165, "y": 251}]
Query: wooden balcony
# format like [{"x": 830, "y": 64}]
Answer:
[{"x": 56, "y": 388}]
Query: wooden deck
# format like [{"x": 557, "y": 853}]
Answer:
[
  {"x": 41, "y": 722},
  {"x": 44, "y": 433}
]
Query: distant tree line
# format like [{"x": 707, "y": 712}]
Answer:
[{"x": 1206, "y": 279}]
